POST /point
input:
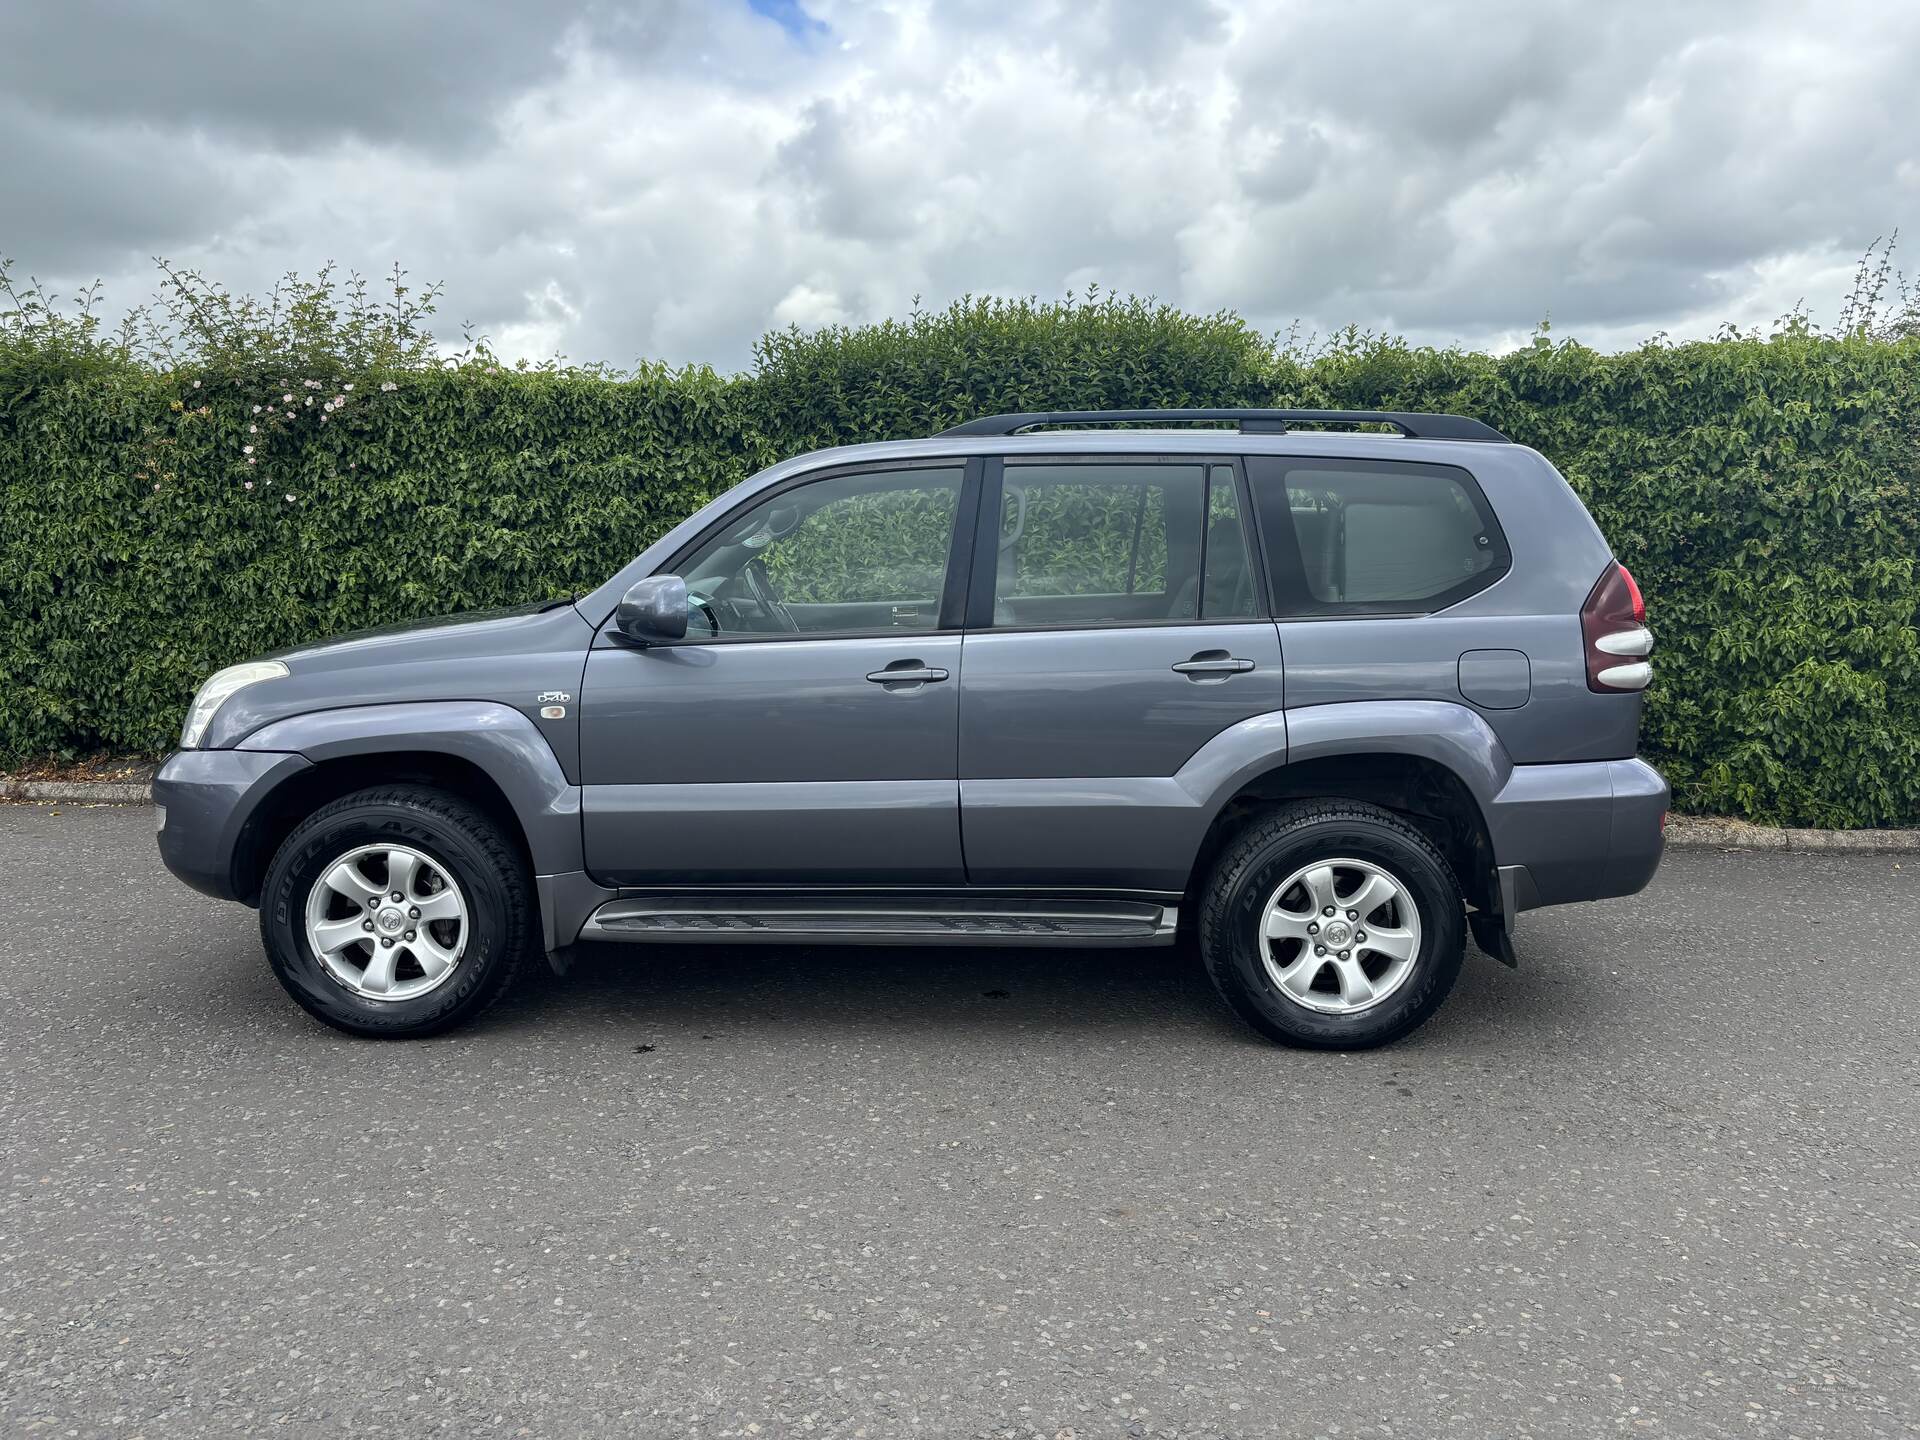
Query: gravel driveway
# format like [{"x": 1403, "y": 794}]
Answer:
[{"x": 1663, "y": 1180}]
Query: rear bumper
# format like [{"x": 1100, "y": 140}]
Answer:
[
  {"x": 1577, "y": 832},
  {"x": 205, "y": 799}
]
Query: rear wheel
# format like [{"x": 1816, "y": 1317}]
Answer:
[
  {"x": 1334, "y": 925},
  {"x": 397, "y": 911}
]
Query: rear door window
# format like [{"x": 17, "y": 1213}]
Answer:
[
  {"x": 1374, "y": 537},
  {"x": 1099, "y": 544}
]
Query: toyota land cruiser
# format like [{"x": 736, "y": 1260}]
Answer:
[{"x": 1329, "y": 700}]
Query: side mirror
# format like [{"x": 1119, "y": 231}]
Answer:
[{"x": 654, "y": 611}]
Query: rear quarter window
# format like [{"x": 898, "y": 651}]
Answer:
[{"x": 1374, "y": 537}]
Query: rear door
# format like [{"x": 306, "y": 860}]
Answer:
[
  {"x": 806, "y": 731},
  {"x": 1116, "y": 625}
]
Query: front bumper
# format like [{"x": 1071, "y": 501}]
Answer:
[
  {"x": 205, "y": 800},
  {"x": 1584, "y": 831}
]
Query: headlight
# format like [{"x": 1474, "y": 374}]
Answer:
[{"x": 221, "y": 684}]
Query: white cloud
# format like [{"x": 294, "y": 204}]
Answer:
[
  {"x": 809, "y": 307},
  {"x": 669, "y": 180}
]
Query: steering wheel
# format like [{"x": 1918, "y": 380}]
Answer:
[
  {"x": 761, "y": 584},
  {"x": 697, "y": 601}
]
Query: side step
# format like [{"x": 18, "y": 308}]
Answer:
[{"x": 875, "y": 921}]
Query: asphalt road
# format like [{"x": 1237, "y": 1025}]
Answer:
[{"x": 1663, "y": 1180}]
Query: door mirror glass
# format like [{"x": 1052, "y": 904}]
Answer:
[{"x": 654, "y": 611}]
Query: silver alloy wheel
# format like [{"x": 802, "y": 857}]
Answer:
[
  {"x": 1340, "y": 936},
  {"x": 387, "y": 922}
]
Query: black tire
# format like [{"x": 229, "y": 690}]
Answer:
[
  {"x": 472, "y": 849},
  {"x": 1272, "y": 848}
]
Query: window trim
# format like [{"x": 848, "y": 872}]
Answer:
[
  {"x": 979, "y": 609},
  {"x": 1290, "y": 597},
  {"x": 1249, "y": 537},
  {"x": 960, "y": 546}
]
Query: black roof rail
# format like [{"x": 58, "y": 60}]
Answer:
[{"x": 1252, "y": 422}]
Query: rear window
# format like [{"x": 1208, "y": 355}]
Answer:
[{"x": 1374, "y": 537}]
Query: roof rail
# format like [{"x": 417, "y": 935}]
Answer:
[{"x": 1252, "y": 422}]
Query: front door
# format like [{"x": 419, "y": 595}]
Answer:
[
  {"x": 1126, "y": 630},
  {"x": 806, "y": 731}
]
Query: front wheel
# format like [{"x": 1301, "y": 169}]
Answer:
[
  {"x": 1333, "y": 925},
  {"x": 396, "y": 912}
]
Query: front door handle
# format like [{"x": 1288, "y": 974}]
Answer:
[
  {"x": 1215, "y": 663},
  {"x": 907, "y": 672}
]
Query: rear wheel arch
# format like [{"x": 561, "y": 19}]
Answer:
[{"x": 1428, "y": 794}]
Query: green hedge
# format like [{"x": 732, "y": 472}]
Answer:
[{"x": 1762, "y": 490}]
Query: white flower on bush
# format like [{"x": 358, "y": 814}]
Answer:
[
  {"x": 249, "y": 485},
  {"x": 289, "y": 499},
  {"x": 388, "y": 385},
  {"x": 287, "y": 399},
  {"x": 256, "y": 409},
  {"x": 253, "y": 429},
  {"x": 346, "y": 387},
  {"x": 246, "y": 449}
]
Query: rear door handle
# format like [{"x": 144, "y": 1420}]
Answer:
[
  {"x": 1214, "y": 662},
  {"x": 907, "y": 672}
]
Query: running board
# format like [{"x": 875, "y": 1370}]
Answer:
[{"x": 867, "y": 921}]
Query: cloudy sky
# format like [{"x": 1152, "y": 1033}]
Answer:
[{"x": 619, "y": 179}]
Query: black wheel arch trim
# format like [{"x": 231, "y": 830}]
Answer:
[{"x": 496, "y": 738}]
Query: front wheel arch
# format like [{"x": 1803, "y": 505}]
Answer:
[{"x": 308, "y": 790}]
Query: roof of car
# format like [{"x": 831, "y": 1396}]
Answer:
[
  {"x": 1262, "y": 420},
  {"x": 1169, "y": 441}
]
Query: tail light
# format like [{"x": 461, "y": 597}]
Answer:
[{"x": 1614, "y": 624}]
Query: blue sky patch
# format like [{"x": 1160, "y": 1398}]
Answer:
[{"x": 791, "y": 16}]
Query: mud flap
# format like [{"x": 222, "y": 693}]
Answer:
[{"x": 1490, "y": 934}]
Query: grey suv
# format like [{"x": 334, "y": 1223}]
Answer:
[{"x": 1325, "y": 699}]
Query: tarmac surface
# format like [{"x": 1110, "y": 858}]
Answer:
[{"x": 1662, "y": 1180}]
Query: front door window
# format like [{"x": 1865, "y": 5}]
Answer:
[{"x": 849, "y": 555}]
